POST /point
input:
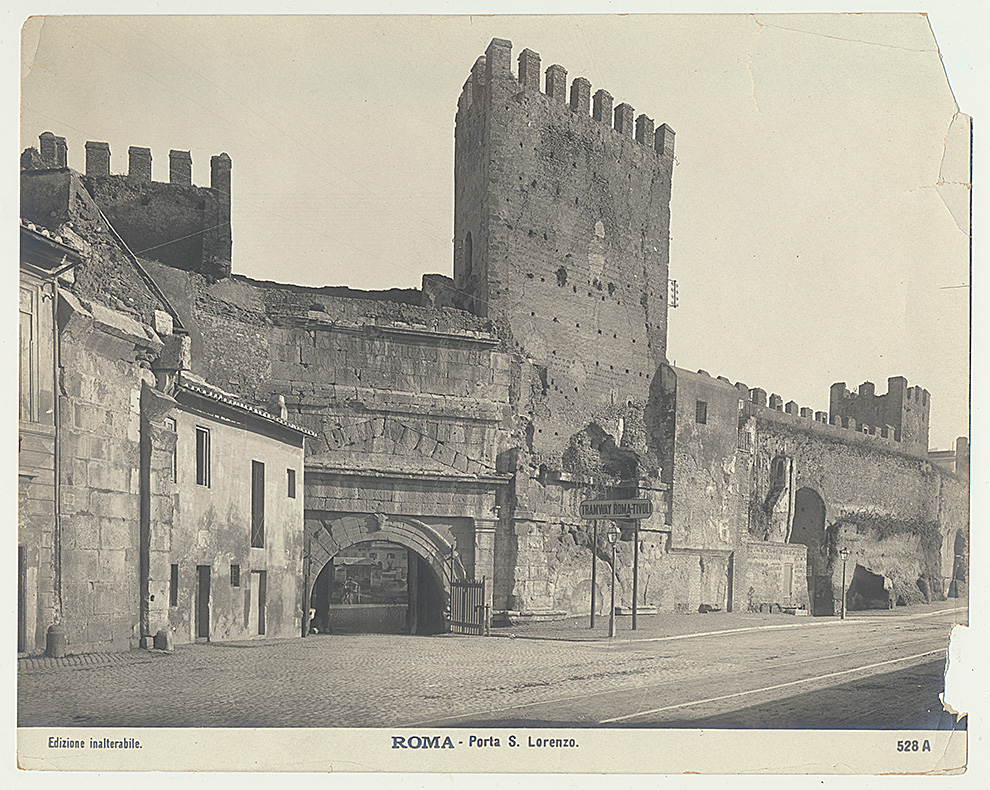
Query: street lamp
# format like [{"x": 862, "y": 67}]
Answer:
[
  {"x": 613, "y": 536},
  {"x": 844, "y": 553}
]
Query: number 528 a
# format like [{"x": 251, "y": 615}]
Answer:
[{"x": 913, "y": 746}]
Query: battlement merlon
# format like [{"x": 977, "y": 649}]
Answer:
[{"x": 495, "y": 68}]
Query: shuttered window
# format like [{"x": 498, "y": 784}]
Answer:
[{"x": 257, "y": 505}]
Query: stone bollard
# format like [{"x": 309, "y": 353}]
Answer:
[
  {"x": 163, "y": 640},
  {"x": 56, "y": 641}
]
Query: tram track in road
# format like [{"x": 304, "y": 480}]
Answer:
[{"x": 628, "y": 703}]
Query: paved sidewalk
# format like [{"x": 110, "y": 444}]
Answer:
[{"x": 669, "y": 625}]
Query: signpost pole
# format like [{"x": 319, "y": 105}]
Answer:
[
  {"x": 594, "y": 570},
  {"x": 611, "y": 612},
  {"x": 635, "y": 571}
]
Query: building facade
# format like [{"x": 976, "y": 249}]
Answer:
[{"x": 465, "y": 421}]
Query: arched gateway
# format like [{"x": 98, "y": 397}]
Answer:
[{"x": 433, "y": 560}]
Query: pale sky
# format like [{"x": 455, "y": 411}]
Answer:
[{"x": 809, "y": 238}]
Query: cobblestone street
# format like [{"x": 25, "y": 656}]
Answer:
[{"x": 392, "y": 680}]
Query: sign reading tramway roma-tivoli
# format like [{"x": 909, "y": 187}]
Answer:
[{"x": 617, "y": 508}]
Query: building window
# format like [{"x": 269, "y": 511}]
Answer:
[
  {"x": 173, "y": 463},
  {"x": 173, "y": 587},
  {"x": 701, "y": 412},
  {"x": 235, "y": 575},
  {"x": 292, "y": 483},
  {"x": 257, "y": 505},
  {"x": 202, "y": 457}
]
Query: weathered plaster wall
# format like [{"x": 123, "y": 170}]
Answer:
[
  {"x": 36, "y": 464},
  {"x": 213, "y": 527}
]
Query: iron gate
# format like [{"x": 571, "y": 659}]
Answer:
[{"x": 468, "y": 608}]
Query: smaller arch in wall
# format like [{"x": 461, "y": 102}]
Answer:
[{"x": 808, "y": 529}]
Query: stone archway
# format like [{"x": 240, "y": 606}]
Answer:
[
  {"x": 808, "y": 529},
  {"x": 326, "y": 535}
]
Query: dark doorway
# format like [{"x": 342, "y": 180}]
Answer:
[
  {"x": 377, "y": 587},
  {"x": 866, "y": 591},
  {"x": 958, "y": 586},
  {"x": 808, "y": 528},
  {"x": 203, "y": 602},
  {"x": 262, "y": 585}
]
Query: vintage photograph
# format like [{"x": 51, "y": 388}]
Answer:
[{"x": 487, "y": 380}]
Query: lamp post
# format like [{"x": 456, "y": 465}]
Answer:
[
  {"x": 613, "y": 536},
  {"x": 844, "y": 553}
]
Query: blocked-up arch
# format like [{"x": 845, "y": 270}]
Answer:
[
  {"x": 328, "y": 536},
  {"x": 808, "y": 528}
]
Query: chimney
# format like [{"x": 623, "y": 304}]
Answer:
[
  {"x": 180, "y": 168},
  {"x": 47, "y": 144},
  {"x": 97, "y": 158},
  {"x": 139, "y": 163}
]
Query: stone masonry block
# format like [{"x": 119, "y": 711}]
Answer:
[{"x": 602, "y": 106}]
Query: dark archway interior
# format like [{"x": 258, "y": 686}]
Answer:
[
  {"x": 808, "y": 529},
  {"x": 958, "y": 585},
  {"x": 377, "y": 587},
  {"x": 866, "y": 591}
]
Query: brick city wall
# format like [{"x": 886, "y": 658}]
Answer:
[{"x": 568, "y": 219}]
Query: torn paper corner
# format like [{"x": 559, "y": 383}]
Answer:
[
  {"x": 960, "y": 672},
  {"x": 955, "y": 170}
]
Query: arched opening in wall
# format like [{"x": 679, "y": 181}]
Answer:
[
  {"x": 867, "y": 590},
  {"x": 377, "y": 587},
  {"x": 808, "y": 529},
  {"x": 959, "y": 585}
]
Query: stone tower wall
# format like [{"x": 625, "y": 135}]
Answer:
[{"x": 561, "y": 234}]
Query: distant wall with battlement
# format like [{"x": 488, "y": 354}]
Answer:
[
  {"x": 174, "y": 222},
  {"x": 905, "y": 409}
]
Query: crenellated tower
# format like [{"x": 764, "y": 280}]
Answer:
[
  {"x": 905, "y": 409},
  {"x": 561, "y": 226}
]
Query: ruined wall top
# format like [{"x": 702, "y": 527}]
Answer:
[{"x": 495, "y": 68}]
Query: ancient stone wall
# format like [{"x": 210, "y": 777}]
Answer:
[
  {"x": 104, "y": 359},
  {"x": 707, "y": 475},
  {"x": 174, "y": 222},
  {"x": 58, "y": 200}
]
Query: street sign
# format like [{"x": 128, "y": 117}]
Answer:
[{"x": 616, "y": 508}]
